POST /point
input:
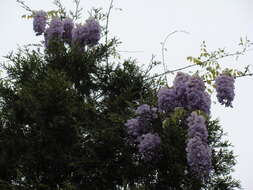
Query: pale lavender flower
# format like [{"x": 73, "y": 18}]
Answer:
[
  {"x": 198, "y": 157},
  {"x": 54, "y": 31},
  {"x": 180, "y": 83},
  {"x": 147, "y": 112},
  {"x": 225, "y": 89},
  {"x": 39, "y": 22},
  {"x": 80, "y": 35},
  {"x": 196, "y": 97},
  {"x": 167, "y": 99},
  {"x": 197, "y": 126},
  {"x": 148, "y": 144},
  {"x": 134, "y": 127},
  {"x": 68, "y": 26},
  {"x": 94, "y": 31}
]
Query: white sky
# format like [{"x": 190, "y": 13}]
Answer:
[{"x": 143, "y": 24}]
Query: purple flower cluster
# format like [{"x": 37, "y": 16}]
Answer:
[
  {"x": 139, "y": 131},
  {"x": 87, "y": 34},
  {"x": 197, "y": 98},
  {"x": 148, "y": 143},
  {"x": 187, "y": 91},
  {"x": 55, "y": 29},
  {"x": 197, "y": 149},
  {"x": 197, "y": 127},
  {"x": 146, "y": 112},
  {"x": 167, "y": 99},
  {"x": 225, "y": 89},
  {"x": 39, "y": 22},
  {"x": 64, "y": 30},
  {"x": 198, "y": 157},
  {"x": 94, "y": 31},
  {"x": 68, "y": 26}
]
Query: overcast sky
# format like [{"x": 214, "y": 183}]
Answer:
[{"x": 143, "y": 24}]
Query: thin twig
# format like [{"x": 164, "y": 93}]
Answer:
[
  {"x": 163, "y": 47},
  {"x": 192, "y": 65},
  {"x": 24, "y": 6},
  {"x": 77, "y": 10},
  {"x": 172, "y": 71},
  {"x": 106, "y": 29}
]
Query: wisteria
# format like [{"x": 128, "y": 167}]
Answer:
[
  {"x": 140, "y": 130},
  {"x": 135, "y": 127},
  {"x": 94, "y": 31},
  {"x": 188, "y": 92},
  {"x": 68, "y": 26},
  {"x": 197, "y": 127},
  {"x": 79, "y": 35},
  {"x": 147, "y": 145},
  {"x": 198, "y": 157},
  {"x": 147, "y": 112},
  {"x": 198, "y": 151},
  {"x": 197, "y": 98},
  {"x": 225, "y": 89},
  {"x": 54, "y": 31},
  {"x": 66, "y": 31},
  {"x": 167, "y": 99},
  {"x": 180, "y": 83},
  {"x": 39, "y": 22}
]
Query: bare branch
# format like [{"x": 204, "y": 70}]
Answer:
[
  {"x": 106, "y": 29},
  {"x": 24, "y": 6},
  {"x": 202, "y": 63},
  {"x": 163, "y": 47},
  {"x": 77, "y": 13}
]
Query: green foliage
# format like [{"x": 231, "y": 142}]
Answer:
[{"x": 62, "y": 123}]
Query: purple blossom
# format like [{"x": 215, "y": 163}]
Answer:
[
  {"x": 167, "y": 99},
  {"x": 187, "y": 91},
  {"x": 195, "y": 82},
  {"x": 197, "y": 127},
  {"x": 198, "y": 157},
  {"x": 180, "y": 83},
  {"x": 225, "y": 89},
  {"x": 54, "y": 31},
  {"x": 147, "y": 112},
  {"x": 197, "y": 98},
  {"x": 148, "y": 144},
  {"x": 39, "y": 22},
  {"x": 134, "y": 127},
  {"x": 68, "y": 26},
  {"x": 94, "y": 31},
  {"x": 80, "y": 35}
]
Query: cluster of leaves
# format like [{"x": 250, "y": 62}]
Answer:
[{"x": 209, "y": 62}]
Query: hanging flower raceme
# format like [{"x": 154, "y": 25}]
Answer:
[
  {"x": 180, "y": 83},
  {"x": 147, "y": 144},
  {"x": 198, "y": 157},
  {"x": 87, "y": 34},
  {"x": 197, "y": 98},
  {"x": 80, "y": 35},
  {"x": 197, "y": 149},
  {"x": 68, "y": 26},
  {"x": 187, "y": 92},
  {"x": 146, "y": 112},
  {"x": 139, "y": 129},
  {"x": 197, "y": 127},
  {"x": 94, "y": 31},
  {"x": 135, "y": 127},
  {"x": 39, "y": 22},
  {"x": 54, "y": 31},
  {"x": 225, "y": 89},
  {"x": 167, "y": 99}
]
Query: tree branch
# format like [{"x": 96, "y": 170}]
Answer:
[
  {"x": 163, "y": 47},
  {"x": 106, "y": 29}
]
